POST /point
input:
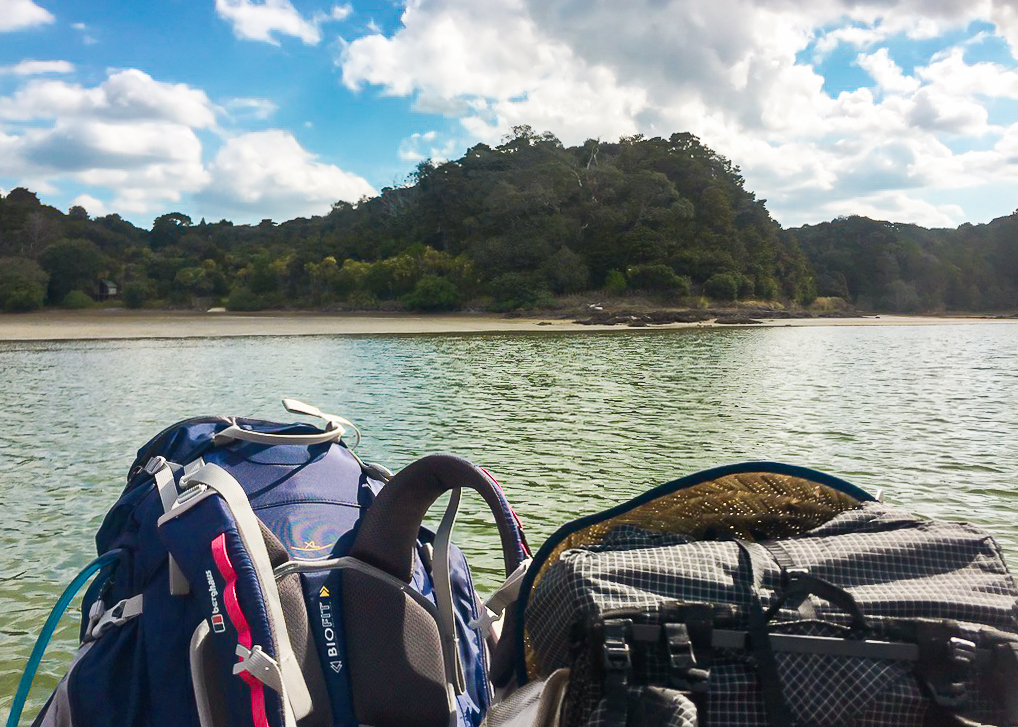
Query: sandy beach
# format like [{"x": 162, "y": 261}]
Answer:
[{"x": 114, "y": 324}]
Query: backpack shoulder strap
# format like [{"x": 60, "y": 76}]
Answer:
[
  {"x": 217, "y": 481},
  {"x": 389, "y": 528}
]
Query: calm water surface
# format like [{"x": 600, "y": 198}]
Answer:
[{"x": 569, "y": 423}]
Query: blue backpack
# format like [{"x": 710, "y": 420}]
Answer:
[{"x": 261, "y": 574}]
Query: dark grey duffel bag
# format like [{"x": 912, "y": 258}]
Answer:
[{"x": 772, "y": 596}]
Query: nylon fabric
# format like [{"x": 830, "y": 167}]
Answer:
[{"x": 897, "y": 567}]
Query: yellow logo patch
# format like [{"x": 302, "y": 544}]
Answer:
[{"x": 311, "y": 545}]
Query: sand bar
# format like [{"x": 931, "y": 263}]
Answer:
[{"x": 115, "y": 324}]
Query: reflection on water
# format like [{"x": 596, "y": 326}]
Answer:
[{"x": 569, "y": 423}]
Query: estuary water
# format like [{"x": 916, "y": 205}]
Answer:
[{"x": 569, "y": 423}]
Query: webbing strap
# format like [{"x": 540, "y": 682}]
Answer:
[
  {"x": 778, "y": 713},
  {"x": 167, "y": 487},
  {"x": 443, "y": 595},
  {"x": 500, "y": 600},
  {"x": 120, "y": 614},
  {"x": 788, "y": 567}
]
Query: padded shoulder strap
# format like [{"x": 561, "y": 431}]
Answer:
[
  {"x": 389, "y": 529},
  {"x": 221, "y": 482}
]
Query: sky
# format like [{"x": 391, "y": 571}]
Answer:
[{"x": 901, "y": 110}]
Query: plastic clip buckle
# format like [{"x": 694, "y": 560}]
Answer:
[
  {"x": 945, "y": 660},
  {"x": 684, "y": 674},
  {"x": 616, "y": 656},
  {"x": 155, "y": 464}
]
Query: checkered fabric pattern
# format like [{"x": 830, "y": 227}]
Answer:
[{"x": 895, "y": 565}]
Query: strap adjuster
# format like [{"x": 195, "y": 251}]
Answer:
[
  {"x": 259, "y": 665},
  {"x": 945, "y": 661},
  {"x": 685, "y": 673},
  {"x": 616, "y": 655}
]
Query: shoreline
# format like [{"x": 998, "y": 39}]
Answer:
[{"x": 112, "y": 324}]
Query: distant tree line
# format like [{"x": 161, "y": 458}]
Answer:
[{"x": 511, "y": 227}]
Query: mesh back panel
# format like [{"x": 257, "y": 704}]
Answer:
[
  {"x": 750, "y": 506},
  {"x": 395, "y": 655},
  {"x": 291, "y": 597}
]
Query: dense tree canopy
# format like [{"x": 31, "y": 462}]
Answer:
[{"x": 510, "y": 226}]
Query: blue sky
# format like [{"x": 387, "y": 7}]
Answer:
[{"x": 252, "y": 109}]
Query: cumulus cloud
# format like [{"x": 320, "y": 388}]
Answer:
[
  {"x": 132, "y": 134},
  {"x": 731, "y": 71},
  {"x": 94, "y": 207},
  {"x": 128, "y": 95},
  {"x": 268, "y": 174},
  {"x": 887, "y": 73},
  {"x": 264, "y": 21},
  {"x": 37, "y": 68},
  {"x": 22, "y": 14}
]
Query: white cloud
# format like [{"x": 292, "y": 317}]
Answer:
[
  {"x": 37, "y": 68},
  {"x": 936, "y": 111},
  {"x": 254, "y": 108},
  {"x": 898, "y": 208},
  {"x": 131, "y": 134},
  {"x": 949, "y": 73},
  {"x": 887, "y": 73},
  {"x": 22, "y": 14},
  {"x": 268, "y": 174},
  {"x": 94, "y": 207},
  {"x": 86, "y": 37},
  {"x": 264, "y": 21},
  {"x": 730, "y": 71},
  {"x": 128, "y": 95},
  {"x": 429, "y": 145}
]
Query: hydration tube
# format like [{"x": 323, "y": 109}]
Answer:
[{"x": 18, "y": 705}]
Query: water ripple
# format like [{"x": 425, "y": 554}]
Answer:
[{"x": 570, "y": 424}]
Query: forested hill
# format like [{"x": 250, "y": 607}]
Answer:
[
  {"x": 886, "y": 266},
  {"x": 508, "y": 227}
]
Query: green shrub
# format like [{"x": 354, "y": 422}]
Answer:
[
  {"x": 723, "y": 286},
  {"x": 433, "y": 293},
  {"x": 767, "y": 287},
  {"x": 514, "y": 291},
  {"x": 243, "y": 299},
  {"x": 77, "y": 300},
  {"x": 657, "y": 279},
  {"x": 137, "y": 294},
  {"x": 22, "y": 285},
  {"x": 23, "y": 298},
  {"x": 566, "y": 272},
  {"x": 615, "y": 283}
]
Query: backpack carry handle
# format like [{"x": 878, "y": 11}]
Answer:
[
  {"x": 389, "y": 529},
  {"x": 335, "y": 428}
]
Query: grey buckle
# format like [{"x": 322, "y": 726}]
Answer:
[
  {"x": 94, "y": 614},
  {"x": 155, "y": 464},
  {"x": 259, "y": 665},
  {"x": 121, "y": 613}
]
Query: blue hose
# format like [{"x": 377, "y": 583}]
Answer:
[{"x": 18, "y": 705}]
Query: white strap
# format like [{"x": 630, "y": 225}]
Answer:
[
  {"x": 443, "y": 595},
  {"x": 298, "y": 698},
  {"x": 502, "y": 598},
  {"x": 167, "y": 487},
  {"x": 201, "y": 696},
  {"x": 335, "y": 428},
  {"x": 233, "y": 432}
]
